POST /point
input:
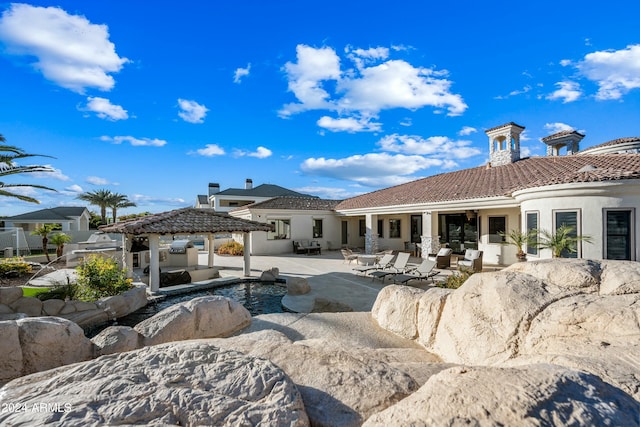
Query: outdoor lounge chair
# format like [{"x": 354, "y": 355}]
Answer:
[
  {"x": 348, "y": 255},
  {"x": 472, "y": 261},
  {"x": 424, "y": 271},
  {"x": 399, "y": 266},
  {"x": 384, "y": 262},
  {"x": 442, "y": 258}
]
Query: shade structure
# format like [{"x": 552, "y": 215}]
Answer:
[{"x": 185, "y": 221}]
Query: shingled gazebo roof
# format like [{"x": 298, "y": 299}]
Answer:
[{"x": 185, "y": 221}]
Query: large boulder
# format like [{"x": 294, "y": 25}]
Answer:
[
  {"x": 10, "y": 294},
  {"x": 117, "y": 339},
  {"x": 430, "y": 308},
  {"x": 619, "y": 277},
  {"x": 31, "y": 306},
  {"x": 203, "y": 317},
  {"x": 298, "y": 286},
  {"x": 10, "y": 351},
  {"x": 562, "y": 274},
  {"x": 189, "y": 383},
  {"x": 396, "y": 310},
  {"x": 125, "y": 303},
  {"x": 530, "y": 396}
]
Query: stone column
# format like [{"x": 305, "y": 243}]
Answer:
[
  {"x": 212, "y": 249},
  {"x": 370, "y": 238}
]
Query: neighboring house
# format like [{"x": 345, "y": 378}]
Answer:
[
  {"x": 596, "y": 190},
  {"x": 70, "y": 218},
  {"x": 232, "y": 198},
  {"x": 293, "y": 219}
]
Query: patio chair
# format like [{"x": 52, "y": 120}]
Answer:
[
  {"x": 399, "y": 266},
  {"x": 348, "y": 255},
  {"x": 442, "y": 258},
  {"x": 424, "y": 271},
  {"x": 472, "y": 261},
  {"x": 384, "y": 262}
]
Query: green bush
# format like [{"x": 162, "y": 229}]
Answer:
[
  {"x": 100, "y": 277},
  {"x": 66, "y": 291},
  {"x": 456, "y": 280},
  {"x": 231, "y": 248},
  {"x": 16, "y": 264}
]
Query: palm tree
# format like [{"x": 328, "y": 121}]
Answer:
[
  {"x": 101, "y": 198},
  {"x": 119, "y": 201},
  {"x": 60, "y": 239},
  {"x": 8, "y": 155},
  {"x": 564, "y": 240},
  {"x": 520, "y": 239},
  {"x": 44, "y": 231}
]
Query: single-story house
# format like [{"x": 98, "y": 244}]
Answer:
[
  {"x": 70, "y": 218},
  {"x": 596, "y": 191}
]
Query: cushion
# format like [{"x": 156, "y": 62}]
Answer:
[
  {"x": 472, "y": 254},
  {"x": 444, "y": 251}
]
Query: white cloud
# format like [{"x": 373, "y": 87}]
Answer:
[
  {"x": 51, "y": 35},
  {"x": 96, "y": 180},
  {"x": 349, "y": 124},
  {"x": 334, "y": 193},
  {"x": 210, "y": 150},
  {"x": 435, "y": 146},
  {"x": 105, "y": 109},
  {"x": 467, "y": 130},
  {"x": 373, "y": 169},
  {"x": 136, "y": 142},
  {"x": 54, "y": 174},
  {"x": 142, "y": 200},
  {"x": 568, "y": 92},
  {"x": 556, "y": 127},
  {"x": 240, "y": 73},
  {"x": 192, "y": 112},
  {"x": 616, "y": 72},
  {"x": 318, "y": 83},
  {"x": 260, "y": 153},
  {"x": 75, "y": 188}
]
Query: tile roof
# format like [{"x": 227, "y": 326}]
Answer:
[
  {"x": 61, "y": 213},
  {"x": 503, "y": 126},
  {"x": 262, "y": 190},
  {"x": 486, "y": 182},
  {"x": 296, "y": 203},
  {"x": 185, "y": 221},
  {"x": 560, "y": 135},
  {"x": 615, "y": 142}
]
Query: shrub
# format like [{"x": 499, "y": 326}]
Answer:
[
  {"x": 63, "y": 291},
  {"x": 231, "y": 248},
  {"x": 456, "y": 280},
  {"x": 16, "y": 264},
  {"x": 100, "y": 277}
]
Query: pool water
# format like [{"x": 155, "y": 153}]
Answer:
[{"x": 257, "y": 297}]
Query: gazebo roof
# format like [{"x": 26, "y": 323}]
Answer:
[{"x": 185, "y": 221}]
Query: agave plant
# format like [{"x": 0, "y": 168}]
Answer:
[{"x": 564, "y": 239}]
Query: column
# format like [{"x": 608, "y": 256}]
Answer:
[
  {"x": 211, "y": 243},
  {"x": 154, "y": 262},
  {"x": 370, "y": 238},
  {"x": 246, "y": 241}
]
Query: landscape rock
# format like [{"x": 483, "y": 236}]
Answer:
[
  {"x": 298, "y": 286},
  {"x": 203, "y": 317},
  {"x": 619, "y": 277},
  {"x": 340, "y": 387},
  {"x": 270, "y": 275},
  {"x": 396, "y": 310},
  {"x": 117, "y": 339},
  {"x": 430, "y": 308},
  {"x": 125, "y": 303},
  {"x": 31, "y": 306},
  {"x": 190, "y": 383},
  {"x": 10, "y": 351},
  {"x": 5, "y": 309},
  {"x": 52, "y": 307},
  {"x": 87, "y": 318},
  {"x": 10, "y": 294},
  {"x": 562, "y": 273},
  {"x": 529, "y": 396}
]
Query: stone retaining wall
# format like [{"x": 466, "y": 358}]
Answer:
[{"x": 14, "y": 305}]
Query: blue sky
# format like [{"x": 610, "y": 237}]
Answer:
[{"x": 155, "y": 100}]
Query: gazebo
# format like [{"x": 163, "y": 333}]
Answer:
[{"x": 183, "y": 221}]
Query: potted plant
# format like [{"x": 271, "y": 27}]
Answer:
[
  {"x": 563, "y": 240},
  {"x": 519, "y": 239}
]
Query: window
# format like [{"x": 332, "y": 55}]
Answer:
[
  {"x": 532, "y": 225},
  {"x": 317, "y": 228},
  {"x": 362, "y": 227},
  {"x": 570, "y": 219},
  {"x": 497, "y": 225},
  {"x": 394, "y": 229},
  {"x": 380, "y": 228},
  {"x": 282, "y": 229},
  {"x": 618, "y": 234}
]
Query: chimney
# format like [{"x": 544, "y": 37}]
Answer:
[
  {"x": 248, "y": 184},
  {"x": 214, "y": 188}
]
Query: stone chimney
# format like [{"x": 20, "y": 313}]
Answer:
[
  {"x": 504, "y": 143},
  {"x": 567, "y": 138},
  {"x": 248, "y": 184},
  {"x": 214, "y": 188}
]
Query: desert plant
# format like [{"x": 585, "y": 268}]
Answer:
[
  {"x": 563, "y": 240},
  {"x": 520, "y": 239},
  {"x": 456, "y": 280},
  {"x": 100, "y": 277},
  {"x": 59, "y": 239},
  {"x": 231, "y": 248}
]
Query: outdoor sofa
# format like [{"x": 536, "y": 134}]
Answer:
[{"x": 306, "y": 247}]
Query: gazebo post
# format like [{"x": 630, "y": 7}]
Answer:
[
  {"x": 154, "y": 262},
  {"x": 211, "y": 249},
  {"x": 247, "y": 254}
]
